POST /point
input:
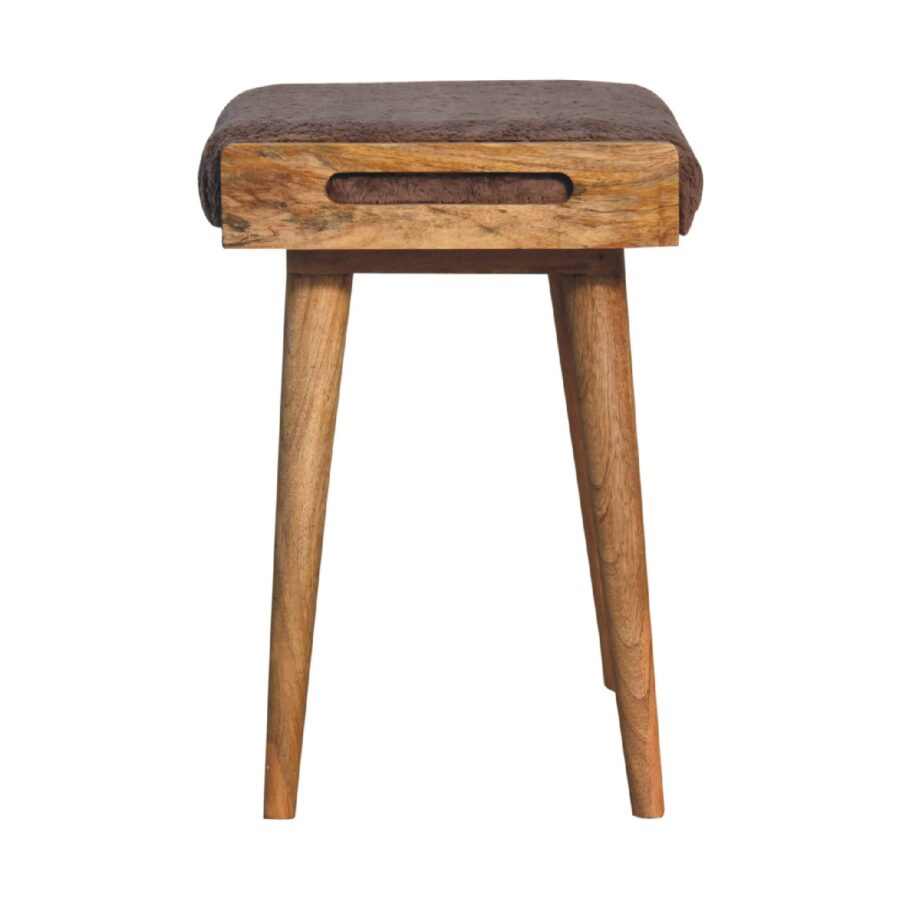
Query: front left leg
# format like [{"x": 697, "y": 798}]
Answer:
[{"x": 315, "y": 326}]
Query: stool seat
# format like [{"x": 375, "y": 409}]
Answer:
[{"x": 448, "y": 111}]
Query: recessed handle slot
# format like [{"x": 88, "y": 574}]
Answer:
[{"x": 449, "y": 187}]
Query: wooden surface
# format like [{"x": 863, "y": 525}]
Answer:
[
  {"x": 593, "y": 310},
  {"x": 315, "y": 324},
  {"x": 590, "y": 310},
  {"x": 535, "y": 262},
  {"x": 624, "y": 195},
  {"x": 576, "y": 432}
]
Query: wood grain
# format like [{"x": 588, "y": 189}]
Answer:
[
  {"x": 576, "y": 432},
  {"x": 594, "y": 310},
  {"x": 315, "y": 325},
  {"x": 624, "y": 195}
]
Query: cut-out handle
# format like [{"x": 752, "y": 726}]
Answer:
[{"x": 449, "y": 187}]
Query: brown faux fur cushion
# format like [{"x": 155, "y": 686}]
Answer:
[
  {"x": 448, "y": 111},
  {"x": 419, "y": 187}
]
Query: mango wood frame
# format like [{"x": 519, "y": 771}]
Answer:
[
  {"x": 624, "y": 195},
  {"x": 273, "y": 195}
]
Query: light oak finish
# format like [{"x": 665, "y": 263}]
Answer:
[
  {"x": 590, "y": 311},
  {"x": 459, "y": 262},
  {"x": 593, "y": 314},
  {"x": 576, "y": 432},
  {"x": 624, "y": 195},
  {"x": 315, "y": 325}
]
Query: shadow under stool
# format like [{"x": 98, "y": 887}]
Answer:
[{"x": 550, "y": 177}]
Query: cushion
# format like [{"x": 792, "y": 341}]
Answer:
[{"x": 487, "y": 111}]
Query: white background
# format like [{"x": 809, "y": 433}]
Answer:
[{"x": 459, "y": 742}]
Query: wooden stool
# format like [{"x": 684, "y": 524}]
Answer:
[{"x": 540, "y": 177}]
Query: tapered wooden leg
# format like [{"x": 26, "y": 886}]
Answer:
[
  {"x": 567, "y": 362},
  {"x": 594, "y": 309},
  {"x": 315, "y": 325}
]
